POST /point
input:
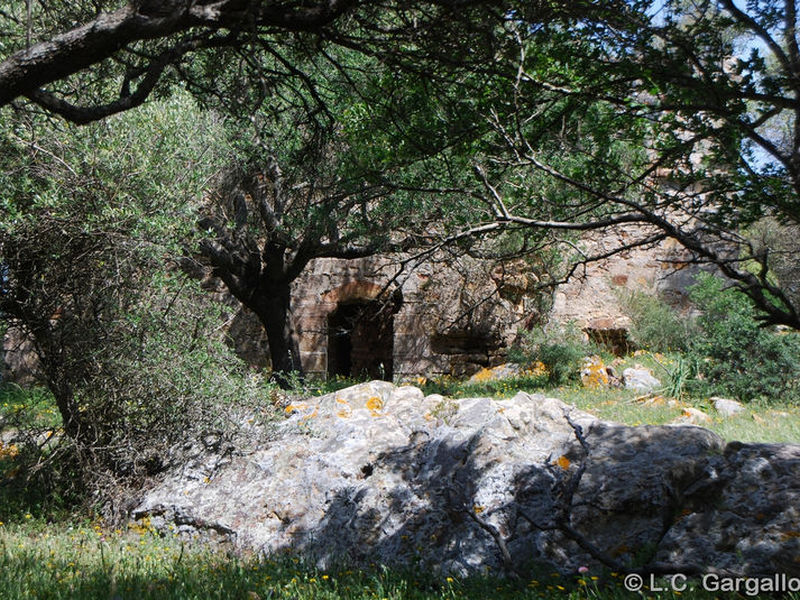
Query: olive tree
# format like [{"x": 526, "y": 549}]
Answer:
[
  {"x": 93, "y": 225},
  {"x": 681, "y": 118}
]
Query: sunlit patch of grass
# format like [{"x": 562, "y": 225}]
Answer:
[
  {"x": 775, "y": 422},
  {"x": 759, "y": 422},
  {"x": 503, "y": 388},
  {"x": 27, "y": 407},
  {"x": 620, "y": 405},
  {"x": 30, "y": 432}
]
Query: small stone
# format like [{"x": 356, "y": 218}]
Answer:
[
  {"x": 727, "y": 407},
  {"x": 593, "y": 372},
  {"x": 640, "y": 379},
  {"x": 614, "y": 380},
  {"x": 498, "y": 373},
  {"x": 692, "y": 416}
]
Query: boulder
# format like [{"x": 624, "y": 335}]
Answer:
[
  {"x": 640, "y": 379},
  {"x": 381, "y": 474},
  {"x": 726, "y": 407}
]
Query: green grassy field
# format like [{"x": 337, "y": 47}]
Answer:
[
  {"x": 763, "y": 420},
  {"x": 90, "y": 561}
]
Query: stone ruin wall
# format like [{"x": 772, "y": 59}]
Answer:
[
  {"x": 448, "y": 319},
  {"x": 591, "y": 299},
  {"x": 456, "y": 316}
]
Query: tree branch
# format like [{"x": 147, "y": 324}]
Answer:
[
  {"x": 152, "y": 74},
  {"x": 23, "y": 73}
]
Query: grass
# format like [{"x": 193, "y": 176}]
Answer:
[
  {"x": 32, "y": 407},
  {"x": 772, "y": 422},
  {"x": 765, "y": 420},
  {"x": 41, "y": 558},
  {"x": 44, "y": 561}
]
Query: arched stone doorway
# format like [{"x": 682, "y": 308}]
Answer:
[{"x": 361, "y": 332}]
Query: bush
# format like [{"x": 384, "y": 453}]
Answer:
[
  {"x": 735, "y": 354},
  {"x": 655, "y": 326},
  {"x": 165, "y": 380},
  {"x": 152, "y": 379},
  {"x": 561, "y": 348},
  {"x": 97, "y": 224}
]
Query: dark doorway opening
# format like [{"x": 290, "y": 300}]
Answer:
[{"x": 361, "y": 340}]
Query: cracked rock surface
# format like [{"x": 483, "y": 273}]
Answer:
[{"x": 380, "y": 474}]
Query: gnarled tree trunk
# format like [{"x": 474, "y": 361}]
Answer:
[{"x": 271, "y": 306}]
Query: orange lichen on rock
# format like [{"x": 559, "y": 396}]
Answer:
[
  {"x": 563, "y": 462},
  {"x": 8, "y": 451},
  {"x": 536, "y": 369},
  {"x": 308, "y": 417},
  {"x": 345, "y": 412},
  {"x": 593, "y": 373},
  {"x": 483, "y": 375},
  {"x": 375, "y": 404},
  {"x": 621, "y": 549}
]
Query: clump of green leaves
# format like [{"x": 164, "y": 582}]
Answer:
[
  {"x": 98, "y": 226},
  {"x": 655, "y": 325},
  {"x": 737, "y": 355},
  {"x": 725, "y": 350},
  {"x": 561, "y": 348}
]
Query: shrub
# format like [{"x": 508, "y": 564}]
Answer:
[
  {"x": 561, "y": 348},
  {"x": 725, "y": 350},
  {"x": 97, "y": 224},
  {"x": 164, "y": 380},
  {"x": 735, "y": 354},
  {"x": 152, "y": 379},
  {"x": 656, "y": 326}
]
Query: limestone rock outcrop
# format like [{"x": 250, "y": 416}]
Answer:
[
  {"x": 379, "y": 473},
  {"x": 594, "y": 373}
]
